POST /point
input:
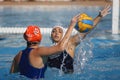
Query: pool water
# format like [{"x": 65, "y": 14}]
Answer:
[{"x": 96, "y": 58}]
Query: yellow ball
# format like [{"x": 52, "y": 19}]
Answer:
[{"x": 84, "y": 24}]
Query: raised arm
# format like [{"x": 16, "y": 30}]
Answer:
[
  {"x": 102, "y": 13},
  {"x": 69, "y": 30},
  {"x": 62, "y": 44}
]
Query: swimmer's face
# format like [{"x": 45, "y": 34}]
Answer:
[{"x": 57, "y": 34}]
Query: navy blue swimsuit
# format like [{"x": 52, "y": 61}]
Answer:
[
  {"x": 27, "y": 69},
  {"x": 61, "y": 61}
]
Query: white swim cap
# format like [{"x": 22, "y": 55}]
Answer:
[{"x": 58, "y": 27}]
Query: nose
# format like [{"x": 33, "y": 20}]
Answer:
[{"x": 57, "y": 33}]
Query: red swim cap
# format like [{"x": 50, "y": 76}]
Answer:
[{"x": 33, "y": 34}]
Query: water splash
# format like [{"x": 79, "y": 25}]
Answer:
[
  {"x": 62, "y": 65},
  {"x": 83, "y": 55}
]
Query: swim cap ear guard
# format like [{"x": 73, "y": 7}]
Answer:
[
  {"x": 84, "y": 24},
  {"x": 32, "y": 34}
]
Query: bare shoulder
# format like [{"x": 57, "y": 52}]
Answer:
[
  {"x": 17, "y": 57},
  {"x": 15, "y": 63}
]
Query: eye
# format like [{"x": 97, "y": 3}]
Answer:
[
  {"x": 60, "y": 30},
  {"x": 53, "y": 31}
]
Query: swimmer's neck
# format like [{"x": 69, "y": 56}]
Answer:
[
  {"x": 55, "y": 43},
  {"x": 33, "y": 46}
]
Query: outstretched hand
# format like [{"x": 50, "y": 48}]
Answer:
[
  {"x": 105, "y": 11},
  {"x": 74, "y": 20}
]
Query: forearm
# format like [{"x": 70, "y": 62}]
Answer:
[
  {"x": 45, "y": 51},
  {"x": 14, "y": 68},
  {"x": 68, "y": 33},
  {"x": 97, "y": 20}
]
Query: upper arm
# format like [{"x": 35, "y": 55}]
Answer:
[
  {"x": 76, "y": 39},
  {"x": 15, "y": 63},
  {"x": 14, "y": 67}
]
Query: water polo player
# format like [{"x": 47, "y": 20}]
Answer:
[{"x": 64, "y": 60}]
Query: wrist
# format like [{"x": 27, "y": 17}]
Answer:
[
  {"x": 72, "y": 23},
  {"x": 100, "y": 15}
]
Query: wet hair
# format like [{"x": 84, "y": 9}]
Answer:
[{"x": 32, "y": 43}]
